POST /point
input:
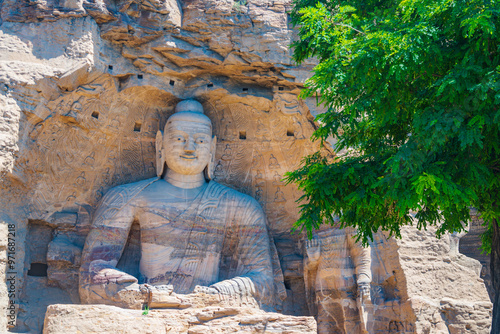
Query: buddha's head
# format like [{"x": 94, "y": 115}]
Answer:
[{"x": 186, "y": 146}]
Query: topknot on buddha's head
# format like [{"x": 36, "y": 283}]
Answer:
[
  {"x": 190, "y": 111},
  {"x": 189, "y": 106}
]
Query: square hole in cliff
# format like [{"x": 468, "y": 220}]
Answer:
[
  {"x": 95, "y": 114},
  {"x": 289, "y": 132},
  {"x": 243, "y": 135},
  {"x": 37, "y": 241},
  {"x": 139, "y": 76},
  {"x": 38, "y": 269},
  {"x": 137, "y": 126},
  {"x": 110, "y": 67}
]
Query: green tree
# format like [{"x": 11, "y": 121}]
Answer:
[{"x": 412, "y": 90}]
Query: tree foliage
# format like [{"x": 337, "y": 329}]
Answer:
[{"x": 412, "y": 90}]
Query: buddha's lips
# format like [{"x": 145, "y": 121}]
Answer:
[{"x": 188, "y": 157}]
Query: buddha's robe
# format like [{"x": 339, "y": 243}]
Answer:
[{"x": 219, "y": 239}]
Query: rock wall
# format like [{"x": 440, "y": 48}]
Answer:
[
  {"x": 84, "y": 87},
  {"x": 443, "y": 286},
  {"x": 470, "y": 245},
  {"x": 62, "y": 319}
]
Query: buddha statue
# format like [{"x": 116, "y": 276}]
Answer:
[
  {"x": 196, "y": 235},
  {"x": 337, "y": 275}
]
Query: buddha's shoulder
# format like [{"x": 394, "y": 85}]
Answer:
[
  {"x": 227, "y": 194},
  {"x": 128, "y": 190}
]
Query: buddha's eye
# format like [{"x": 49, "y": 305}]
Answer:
[{"x": 200, "y": 141}]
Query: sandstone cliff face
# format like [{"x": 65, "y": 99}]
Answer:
[
  {"x": 470, "y": 245},
  {"x": 443, "y": 286},
  {"x": 86, "y": 84}
]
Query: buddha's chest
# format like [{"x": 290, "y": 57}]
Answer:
[
  {"x": 178, "y": 224},
  {"x": 181, "y": 244}
]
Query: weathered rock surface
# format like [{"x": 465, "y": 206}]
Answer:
[
  {"x": 63, "y": 319},
  {"x": 85, "y": 85},
  {"x": 444, "y": 287},
  {"x": 470, "y": 245}
]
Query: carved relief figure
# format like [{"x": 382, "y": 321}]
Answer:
[
  {"x": 279, "y": 196},
  {"x": 219, "y": 171},
  {"x": 256, "y": 160},
  {"x": 277, "y": 179},
  {"x": 262, "y": 131},
  {"x": 337, "y": 273},
  {"x": 228, "y": 153},
  {"x": 258, "y": 193},
  {"x": 90, "y": 160},
  {"x": 80, "y": 180},
  {"x": 287, "y": 104},
  {"x": 273, "y": 162},
  {"x": 259, "y": 179},
  {"x": 196, "y": 235}
]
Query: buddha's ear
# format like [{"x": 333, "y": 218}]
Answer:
[
  {"x": 209, "y": 171},
  {"x": 160, "y": 153}
]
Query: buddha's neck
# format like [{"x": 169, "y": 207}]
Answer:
[{"x": 184, "y": 181}]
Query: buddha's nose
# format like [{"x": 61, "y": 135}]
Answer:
[{"x": 189, "y": 146}]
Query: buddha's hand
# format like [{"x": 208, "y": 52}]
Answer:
[
  {"x": 364, "y": 291},
  {"x": 111, "y": 275},
  {"x": 114, "y": 287},
  {"x": 313, "y": 251},
  {"x": 205, "y": 289}
]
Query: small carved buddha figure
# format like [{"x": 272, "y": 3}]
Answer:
[
  {"x": 277, "y": 179},
  {"x": 219, "y": 171},
  {"x": 279, "y": 196},
  {"x": 273, "y": 162},
  {"x": 228, "y": 153},
  {"x": 196, "y": 235}
]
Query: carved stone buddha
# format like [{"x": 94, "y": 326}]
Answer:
[{"x": 196, "y": 235}]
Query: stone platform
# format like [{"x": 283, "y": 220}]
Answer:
[{"x": 104, "y": 319}]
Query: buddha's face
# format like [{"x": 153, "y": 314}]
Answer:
[{"x": 188, "y": 142}]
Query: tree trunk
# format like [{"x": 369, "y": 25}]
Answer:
[{"x": 495, "y": 275}]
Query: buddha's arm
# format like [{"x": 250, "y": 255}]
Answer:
[
  {"x": 253, "y": 275},
  {"x": 361, "y": 257},
  {"x": 105, "y": 243}
]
